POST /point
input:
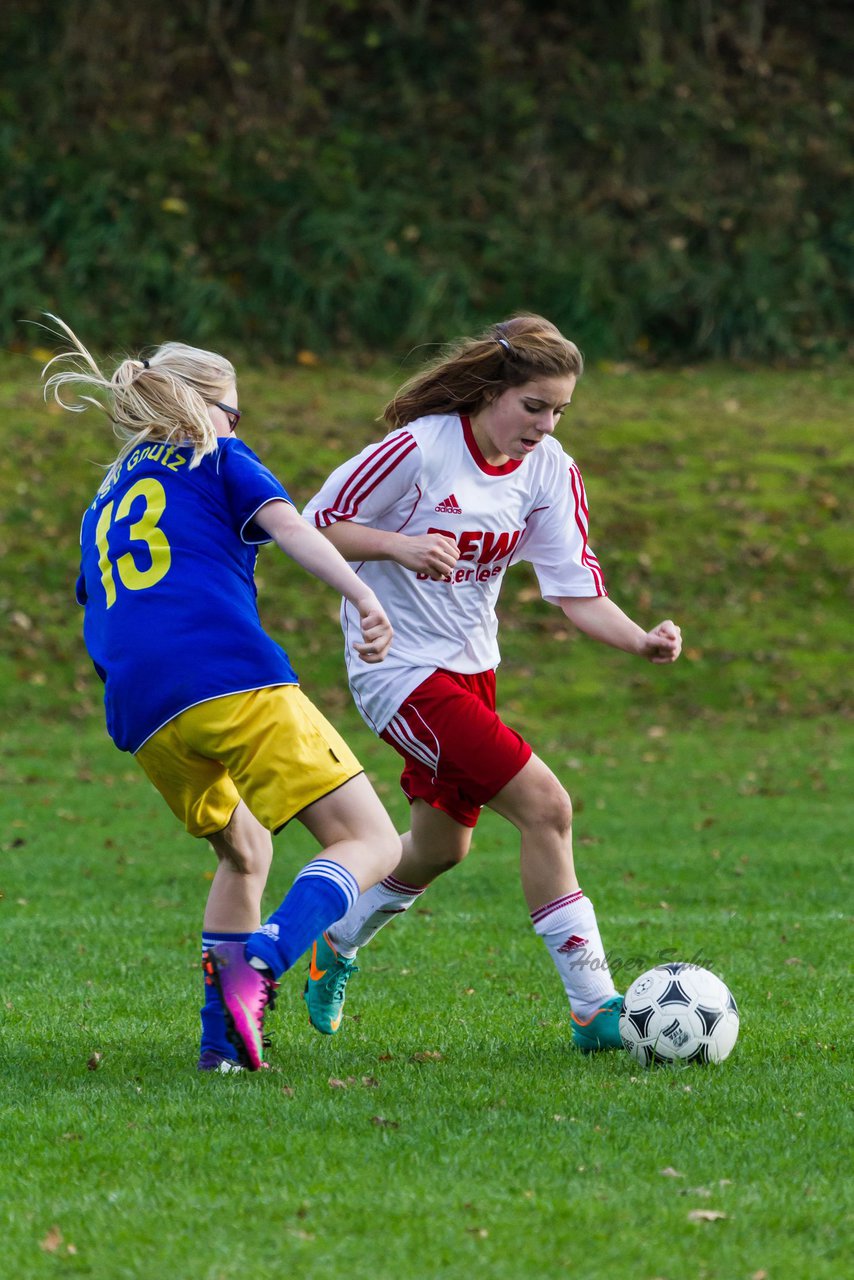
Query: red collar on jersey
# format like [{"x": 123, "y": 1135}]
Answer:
[{"x": 474, "y": 449}]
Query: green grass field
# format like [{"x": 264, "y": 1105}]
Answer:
[{"x": 449, "y": 1130}]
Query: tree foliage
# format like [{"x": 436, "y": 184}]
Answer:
[{"x": 670, "y": 176}]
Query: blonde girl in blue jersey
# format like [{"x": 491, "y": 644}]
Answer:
[{"x": 205, "y": 700}]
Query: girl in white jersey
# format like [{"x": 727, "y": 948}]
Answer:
[{"x": 469, "y": 480}]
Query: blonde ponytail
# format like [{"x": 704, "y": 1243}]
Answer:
[{"x": 165, "y": 397}]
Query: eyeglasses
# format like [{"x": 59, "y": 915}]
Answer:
[{"x": 233, "y": 415}]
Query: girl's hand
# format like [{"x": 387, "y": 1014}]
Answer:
[
  {"x": 432, "y": 553},
  {"x": 377, "y": 633},
  {"x": 663, "y": 643}
]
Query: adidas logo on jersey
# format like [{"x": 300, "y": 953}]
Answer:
[{"x": 449, "y": 507}]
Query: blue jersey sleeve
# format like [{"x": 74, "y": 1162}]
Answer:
[{"x": 248, "y": 486}]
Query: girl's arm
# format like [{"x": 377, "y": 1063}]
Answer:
[
  {"x": 599, "y": 617},
  {"x": 432, "y": 553},
  {"x": 312, "y": 551}
]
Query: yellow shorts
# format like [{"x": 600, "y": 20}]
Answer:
[{"x": 271, "y": 748}]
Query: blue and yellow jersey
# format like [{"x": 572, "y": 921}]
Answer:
[{"x": 167, "y": 577}]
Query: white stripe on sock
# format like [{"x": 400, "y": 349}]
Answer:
[{"x": 328, "y": 870}]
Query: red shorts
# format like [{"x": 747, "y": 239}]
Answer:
[{"x": 459, "y": 753}]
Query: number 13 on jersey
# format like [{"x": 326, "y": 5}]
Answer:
[{"x": 145, "y": 529}]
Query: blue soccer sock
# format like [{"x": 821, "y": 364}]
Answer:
[
  {"x": 322, "y": 893},
  {"x": 214, "y": 1037}
]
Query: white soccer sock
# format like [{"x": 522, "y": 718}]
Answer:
[
  {"x": 568, "y": 928},
  {"x": 371, "y": 910}
]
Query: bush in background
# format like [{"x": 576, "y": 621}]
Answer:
[{"x": 670, "y": 177}]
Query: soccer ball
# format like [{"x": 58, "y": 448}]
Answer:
[{"x": 678, "y": 1013}]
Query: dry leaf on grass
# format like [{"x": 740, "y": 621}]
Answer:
[
  {"x": 52, "y": 1241},
  {"x": 705, "y": 1215}
]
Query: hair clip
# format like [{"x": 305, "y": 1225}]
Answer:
[
  {"x": 502, "y": 342},
  {"x": 146, "y": 365}
]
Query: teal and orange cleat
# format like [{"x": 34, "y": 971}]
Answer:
[
  {"x": 601, "y": 1030},
  {"x": 328, "y": 975}
]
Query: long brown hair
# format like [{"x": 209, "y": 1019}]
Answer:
[{"x": 472, "y": 371}]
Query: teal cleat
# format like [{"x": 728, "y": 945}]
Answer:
[
  {"x": 328, "y": 975},
  {"x": 601, "y": 1030}
]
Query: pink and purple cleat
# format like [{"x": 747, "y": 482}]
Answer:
[
  {"x": 211, "y": 1060},
  {"x": 246, "y": 995}
]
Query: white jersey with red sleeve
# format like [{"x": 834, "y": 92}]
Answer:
[{"x": 431, "y": 477}]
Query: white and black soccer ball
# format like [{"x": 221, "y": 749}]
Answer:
[{"x": 678, "y": 1013}]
